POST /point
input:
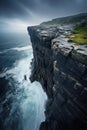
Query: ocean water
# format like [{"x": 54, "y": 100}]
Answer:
[{"x": 22, "y": 103}]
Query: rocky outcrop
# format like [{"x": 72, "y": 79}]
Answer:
[{"x": 61, "y": 68}]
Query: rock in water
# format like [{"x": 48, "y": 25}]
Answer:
[{"x": 25, "y": 77}]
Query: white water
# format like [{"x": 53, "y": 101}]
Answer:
[
  {"x": 31, "y": 100},
  {"x": 17, "y": 49}
]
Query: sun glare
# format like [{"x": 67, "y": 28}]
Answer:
[{"x": 18, "y": 26}]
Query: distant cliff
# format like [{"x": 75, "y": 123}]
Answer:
[
  {"x": 74, "y": 19},
  {"x": 61, "y": 67}
]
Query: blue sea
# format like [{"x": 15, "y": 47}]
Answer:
[{"x": 22, "y": 103}]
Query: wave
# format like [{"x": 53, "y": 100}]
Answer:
[
  {"x": 19, "y": 67},
  {"x": 30, "y": 98},
  {"x": 24, "y": 48}
]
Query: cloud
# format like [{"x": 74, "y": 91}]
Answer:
[{"x": 29, "y": 10}]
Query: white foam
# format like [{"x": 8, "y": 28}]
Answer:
[
  {"x": 17, "y": 49},
  {"x": 22, "y": 48}
]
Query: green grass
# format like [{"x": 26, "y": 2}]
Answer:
[{"x": 79, "y": 35}]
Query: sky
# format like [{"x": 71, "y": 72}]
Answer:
[{"x": 18, "y": 14}]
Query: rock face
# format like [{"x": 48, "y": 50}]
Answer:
[{"x": 61, "y": 68}]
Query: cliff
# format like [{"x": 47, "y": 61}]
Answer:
[{"x": 61, "y": 68}]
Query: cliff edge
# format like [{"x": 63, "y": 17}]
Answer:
[{"x": 61, "y": 67}]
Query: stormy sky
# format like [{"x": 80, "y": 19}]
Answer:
[{"x": 31, "y": 12}]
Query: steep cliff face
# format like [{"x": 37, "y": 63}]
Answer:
[{"x": 61, "y": 68}]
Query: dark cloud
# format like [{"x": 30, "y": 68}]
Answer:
[
  {"x": 12, "y": 9},
  {"x": 28, "y": 10}
]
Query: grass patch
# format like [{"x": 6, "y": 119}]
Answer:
[{"x": 79, "y": 35}]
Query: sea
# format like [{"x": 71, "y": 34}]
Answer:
[{"x": 22, "y": 103}]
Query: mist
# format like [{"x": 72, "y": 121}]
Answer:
[{"x": 17, "y": 15}]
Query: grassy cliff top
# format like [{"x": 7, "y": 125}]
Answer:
[{"x": 79, "y": 35}]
